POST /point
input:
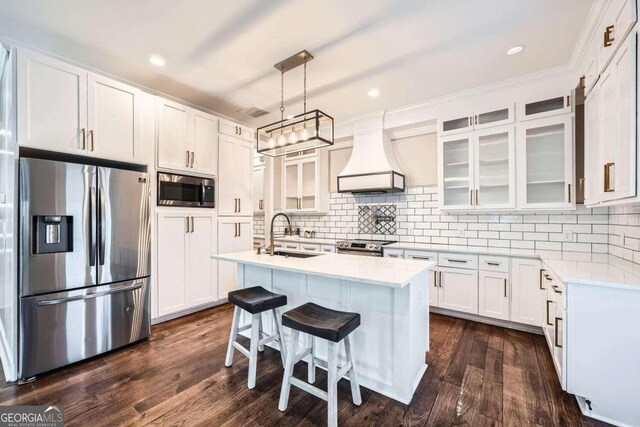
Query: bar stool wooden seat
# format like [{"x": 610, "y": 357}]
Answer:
[
  {"x": 333, "y": 326},
  {"x": 255, "y": 300}
]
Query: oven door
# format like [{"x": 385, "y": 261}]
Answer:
[
  {"x": 356, "y": 252},
  {"x": 186, "y": 191}
]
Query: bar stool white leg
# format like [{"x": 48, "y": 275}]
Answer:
[
  {"x": 260, "y": 332},
  {"x": 253, "y": 350},
  {"x": 232, "y": 336},
  {"x": 288, "y": 371},
  {"x": 311, "y": 366},
  {"x": 353, "y": 377},
  {"x": 283, "y": 346},
  {"x": 332, "y": 384}
]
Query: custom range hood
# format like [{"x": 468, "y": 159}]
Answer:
[{"x": 371, "y": 167}]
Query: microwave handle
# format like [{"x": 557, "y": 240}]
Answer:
[{"x": 202, "y": 194}]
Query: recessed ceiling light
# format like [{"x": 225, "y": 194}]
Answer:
[
  {"x": 373, "y": 93},
  {"x": 514, "y": 50},
  {"x": 157, "y": 60}
]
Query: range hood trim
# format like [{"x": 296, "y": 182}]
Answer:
[{"x": 375, "y": 190}]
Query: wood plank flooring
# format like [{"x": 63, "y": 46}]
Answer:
[{"x": 479, "y": 375}]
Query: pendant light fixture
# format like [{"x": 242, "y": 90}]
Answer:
[{"x": 307, "y": 131}]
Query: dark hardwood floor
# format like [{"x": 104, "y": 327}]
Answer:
[{"x": 478, "y": 375}]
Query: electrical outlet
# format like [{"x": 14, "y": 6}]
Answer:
[
  {"x": 567, "y": 236},
  {"x": 410, "y": 230},
  {"x": 461, "y": 233}
]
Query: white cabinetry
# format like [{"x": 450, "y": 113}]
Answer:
[
  {"x": 235, "y": 176},
  {"x": 68, "y": 109},
  {"x": 527, "y": 291},
  {"x": 187, "y": 138},
  {"x": 483, "y": 118},
  {"x": 545, "y": 163},
  {"x": 541, "y": 106},
  {"x": 258, "y": 189},
  {"x": 493, "y": 294},
  {"x": 478, "y": 170},
  {"x": 187, "y": 276},
  {"x": 305, "y": 182},
  {"x": 234, "y": 235},
  {"x": 616, "y": 23},
  {"x": 458, "y": 289}
]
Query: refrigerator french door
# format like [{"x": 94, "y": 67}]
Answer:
[{"x": 84, "y": 262}]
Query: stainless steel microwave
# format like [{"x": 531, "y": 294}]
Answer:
[{"x": 186, "y": 191}]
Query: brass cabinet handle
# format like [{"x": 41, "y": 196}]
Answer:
[
  {"x": 505, "y": 287},
  {"x": 193, "y": 157},
  {"x": 394, "y": 256},
  {"x": 239, "y": 205},
  {"x": 235, "y": 229},
  {"x": 471, "y": 197},
  {"x": 608, "y": 36},
  {"x": 558, "y": 319},
  {"x": 556, "y": 290},
  {"x": 569, "y": 191},
  {"x": 470, "y": 122},
  {"x": 461, "y": 261},
  {"x": 477, "y": 198},
  {"x": 546, "y": 276},
  {"x": 240, "y": 127},
  {"x": 192, "y": 226},
  {"x": 476, "y": 121},
  {"x": 91, "y": 139},
  {"x": 495, "y": 264},
  {"x": 435, "y": 279},
  {"x": 608, "y": 188},
  {"x": 440, "y": 281},
  {"x": 187, "y": 221},
  {"x": 548, "y": 302},
  {"x": 187, "y": 165},
  {"x": 541, "y": 273},
  {"x": 428, "y": 258},
  {"x": 568, "y": 100},
  {"x": 239, "y": 230},
  {"x": 582, "y": 82},
  {"x": 84, "y": 138}
]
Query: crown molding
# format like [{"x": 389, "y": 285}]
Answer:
[{"x": 413, "y": 131}]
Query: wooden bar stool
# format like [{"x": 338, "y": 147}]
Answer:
[
  {"x": 255, "y": 300},
  {"x": 333, "y": 326}
]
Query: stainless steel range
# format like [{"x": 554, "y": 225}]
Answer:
[{"x": 362, "y": 247}]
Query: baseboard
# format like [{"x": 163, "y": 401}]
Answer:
[
  {"x": 186, "y": 312},
  {"x": 487, "y": 320}
]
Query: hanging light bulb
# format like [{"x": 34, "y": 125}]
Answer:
[
  {"x": 272, "y": 140},
  {"x": 293, "y": 137},
  {"x": 281, "y": 139},
  {"x": 304, "y": 135}
]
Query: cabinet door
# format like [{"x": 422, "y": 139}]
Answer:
[
  {"x": 616, "y": 23},
  {"x": 244, "y": 242},
  {"x": 527, "y": 291},
  {"x": 226, "y": 186},
  {"x": 546, "y": 163},
  {"x": 290, "y": 186},
  {"x": 494, "y": 293},
  {"x": 258, "y": 189},
  {"x": 52, "y": 104},
  {"x": 202, "y": 271},
  {"x": 455, "y": 123},
  {"x": 541, "y": 105},
  {"x": 456, "y": 172},
  {"x": 174, "y": 135},
  {"x": 495, "y": 168},
  {"x": 308, "y": 185},
  {"x": 491, "y": 117},
  {"x": 173, "y": 249},
  {"x": 618, "y": 124},
  {"x": 243, "y": 157},
  {"x": 458, "y": 290},
  {"x": 113, "y": 117},
  {"x": 592, "y": 148},
  {"x": 227, "y": 235},
  {"x": 205, "y": 143}
]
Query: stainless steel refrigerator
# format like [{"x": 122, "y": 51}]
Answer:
[{"x": 84, "y": 262}]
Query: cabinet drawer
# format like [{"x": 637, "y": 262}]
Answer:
[
  {"x": 494, "y": 263},
  {"x": 421, "y": 255},
  {"x": 309, "y": 247},
  {"x": 289, "y": 245},
  {"x": 327, "y": 248},
  {"x": 458, "y": 260},
  {"x": 394, "y": 253},
  {"x": 236, "y": 130}
]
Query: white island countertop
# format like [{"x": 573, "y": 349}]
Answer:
[{"x": 390, "y": 272}]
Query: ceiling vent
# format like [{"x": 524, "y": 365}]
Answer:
[{"x": 254, "y": 112}]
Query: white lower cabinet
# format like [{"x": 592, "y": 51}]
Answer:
[
  {"x": 527, "y": 291},
  {"x": 458, "y": 289},
  {"x": 235, "y": 234},
  {"x": 493, "y": 293},
  {"x": 187, "y": 276}
]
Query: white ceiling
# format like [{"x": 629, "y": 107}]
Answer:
[{"x": 220, "y": 54}]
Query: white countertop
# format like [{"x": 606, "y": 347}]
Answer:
[
  {"x": 298, "y": 239},
  {"x": 570, "y": 267},
  {"x": 391, "y": 272}
]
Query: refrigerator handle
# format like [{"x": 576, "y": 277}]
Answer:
[
  {"x": 92, "y": 227},
  {"x": 102, "y": 225}
]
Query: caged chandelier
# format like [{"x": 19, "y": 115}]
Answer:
[{"x": 307, "y": 131}]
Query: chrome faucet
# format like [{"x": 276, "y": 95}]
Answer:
[{"x": 289, "y": 229}]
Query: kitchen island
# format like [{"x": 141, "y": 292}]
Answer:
[{"x": 391, "y": 296}]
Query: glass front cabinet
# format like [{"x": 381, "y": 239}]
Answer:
[
  {"x": 478, "y": 170},
  {"x": 300, "y": 185}
]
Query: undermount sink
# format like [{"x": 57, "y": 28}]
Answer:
[{"x": 294, "y": 254}]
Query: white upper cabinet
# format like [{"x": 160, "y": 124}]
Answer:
[
  {"x": 258, "y": 189},
  {"x": 545, "y": 105},
  {"x": 235, "y": 157},
  {"x": 113, "y": 118},
  {"x": 300, "y": 185},
  {"x": 478, "y": 170},
  {"x": 236, "y": 130},
  {"x": 52, "y": 104},
  {"x": 618, "y": 20},
  {"x": 545, "y": 163},
  {"x": 187, "y": 138},
  {"x": 592, "y": 147},
  {"x": 481, "y": 118},
  {"x": 64, "y": 108}
]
